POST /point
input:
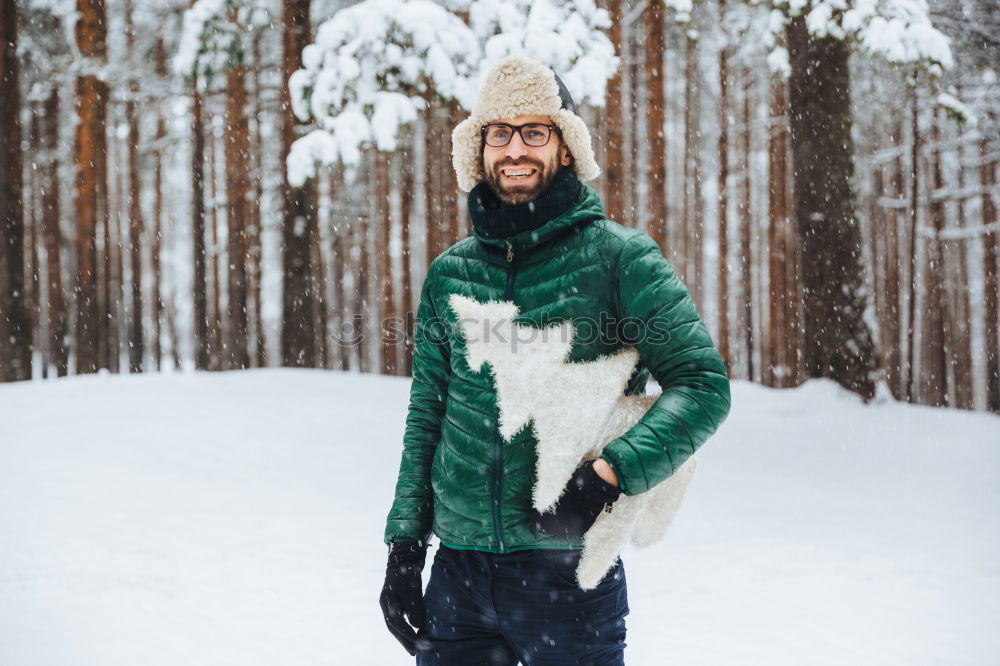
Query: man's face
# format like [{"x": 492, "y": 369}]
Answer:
[{"x": 501, "y": 166}]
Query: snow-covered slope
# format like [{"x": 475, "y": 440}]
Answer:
[{"x": 237, "y": 518}]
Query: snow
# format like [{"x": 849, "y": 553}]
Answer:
[
  {"x": 682, "y": 9},
  {"x": 196, "y": 21},
  {"x": 957, "y": 109},
  {"x": 391, "y": 110},
  {"x": 210, "y": 37},
  {"x": 236, "y": 518},
  {"x": 777, "y": 62},
  {"x": 341, "y": 143}
]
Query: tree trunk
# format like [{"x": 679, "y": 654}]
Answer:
[
  {"x": 161, "y": 133},
  {"x": 958, "y": 299},
  {"x": 30, "y": 189},
  {"x": 794, "y": 302},
  {"x": 445, "y": 181},
  {"x": 318, "y": 286},
  {"x": 385, "y": 328},
  {"x": 697, "y": 244},
  {"x": 781, "y": 357},
  {"x": 202, "y": 344},
  {"x": 115, "y": 241},
  {"x": 892, "y": 342},
  {"x": 15, "y": 324},
  {"x": 215, "y": 330},
  {"x": 961, "y": 359},
  {"x": 337, "y": 357},
  {"x": 406, "y": 201},
  {"x": 51, "y": 214},
  {"x": 256, "y": 230},
  {"x": 297, "y": 326},
  {"x": 991, "y": 283},
  {"x": 636, "y": 218},
  {"x": 237, "y": 149},
  {"x": 110, "y": 294},
  {"x": 443, "y": 221},
  {"x": 746, "y": 234},
  {"x": 89, "y": 188},
  {"x": 432, "y": 208},
  {"x": 655, "y": 117},
  {"x": 172, "y": 335},
  {"x": 30, "y": 194},
  {"x": 457, "y": 211},
  {"x": 340, "y": 256},
  {"x": 938, "y": 335},
  {"x": 136, "y": 346},
  {"x": 614, "y": 171},
  {"x": 911, "y": 371},
  {"x": 692, "y": 226},
  {"x": 874, "y": 233},
  {"x": 723, "y": 279},
  {"x": 361, "y": 306},
  {"x": 838, "y": 342}
]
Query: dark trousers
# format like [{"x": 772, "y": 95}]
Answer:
[{"x": 523, "y": 606}]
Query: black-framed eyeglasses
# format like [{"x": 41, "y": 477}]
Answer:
[{"x": 536, "y": 135}]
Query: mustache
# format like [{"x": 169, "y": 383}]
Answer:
[{"x": 537, "y": 165}]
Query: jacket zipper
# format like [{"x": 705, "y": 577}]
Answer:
[{"x": 497, "y": 441}]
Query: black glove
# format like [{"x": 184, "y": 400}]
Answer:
[
  {"x": 586, "y": 495},
  {"x": 403, "y": 593}
]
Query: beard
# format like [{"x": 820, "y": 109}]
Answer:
[{"x": 512, "y": 192}]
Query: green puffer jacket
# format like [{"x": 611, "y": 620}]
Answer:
[{"x": 458, "y": 478}]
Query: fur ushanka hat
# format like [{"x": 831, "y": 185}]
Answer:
[{"x": 518, "y": 85}]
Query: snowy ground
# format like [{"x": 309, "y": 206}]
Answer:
[{"x": 237, "y": 518}]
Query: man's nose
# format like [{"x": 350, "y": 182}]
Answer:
[{"x": 516, "y": 147}]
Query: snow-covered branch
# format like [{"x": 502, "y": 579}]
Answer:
[
  {"x": 900, "y": 31},
  {"x": 211, "y": 35},
  {"x": 375, "y": 64}
]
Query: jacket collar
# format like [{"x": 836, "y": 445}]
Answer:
[{"x": 580, "y": 207}]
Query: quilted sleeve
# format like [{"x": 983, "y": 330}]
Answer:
[
  {"x": 412, "y": 512},
  {"x": 660, "y": 319}
]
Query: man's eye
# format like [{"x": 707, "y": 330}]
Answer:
[
  {"x": 535, "y": 134},
  {"x": 500, "y": 133}
]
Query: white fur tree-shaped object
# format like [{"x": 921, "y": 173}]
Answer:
[{"x": 575, "y": 409}]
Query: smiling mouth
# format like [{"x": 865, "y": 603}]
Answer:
[{"x": 518, "y": 173}]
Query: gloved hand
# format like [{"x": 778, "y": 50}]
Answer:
[
  {"x": 403, "y": 592},
  {"x": 586, "y": 495}
]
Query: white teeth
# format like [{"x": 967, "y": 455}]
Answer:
[{"x": 519, "y": 173}]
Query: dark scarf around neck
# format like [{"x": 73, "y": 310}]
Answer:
[{"x": 492, "y": 219}]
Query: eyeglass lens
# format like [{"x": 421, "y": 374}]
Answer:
[{"x": 532, "y": 134}]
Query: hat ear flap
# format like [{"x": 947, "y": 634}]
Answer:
[{"x": 466, "y": 145}]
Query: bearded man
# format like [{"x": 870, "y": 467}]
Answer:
[{"x": 502, "y": 588}]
